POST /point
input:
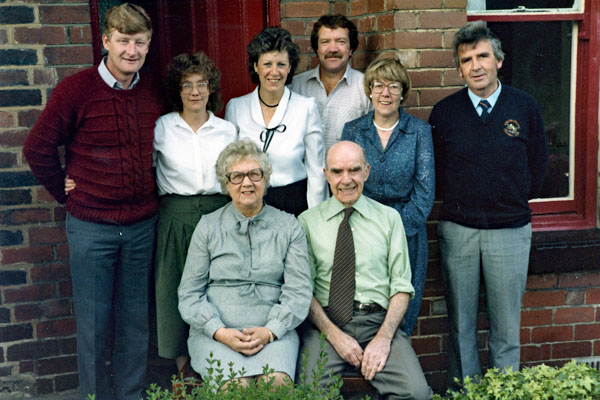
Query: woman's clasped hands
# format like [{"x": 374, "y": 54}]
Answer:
[{"x": 248, "y": 341}]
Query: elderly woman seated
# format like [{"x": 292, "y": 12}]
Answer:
[{"x": 246, "y": 283}]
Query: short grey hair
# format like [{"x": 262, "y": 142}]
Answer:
[
  {"x": 473, "y": 33},
  {"x": 238, "y": 151}
]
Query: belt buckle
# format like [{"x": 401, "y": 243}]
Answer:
[{"x": 363, "y": 308}]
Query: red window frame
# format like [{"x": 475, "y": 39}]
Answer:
[{"x": 580, "y": 212}]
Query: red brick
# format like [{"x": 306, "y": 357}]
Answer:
[
  {"x": 570, "y": 350},
  {"x": 63, "y": 72},
  {"x": 47, "y": 235},
  {"x": 441, "y": 58},
  {"x": 25, "y": 216},
  {"x": 3, "y": 36},
  {"x": 434, "y": 362},
  {"x": 80, "y": 34},
  {"x": 62, "y": 252},
  {"x": 592, "y": 296},
  {"x": 417, "y": 40},
  {"x": 296, "y": 28},
  {"x": 596, "y": 347},
  {"x": 579, "y": 279},
  {"x": 455, "y": 4},
  {"x": 52, "y": 366},
  {"x": 44, "y": 77},
  {"x": 34, "y": 254},
  {"x": 433, "y": 326},
  {"x": 339, "y": 8},
  {"x": 359, "y": 7},
  {"x": 49, "y": 272},
  {"x": 15, "y": 137},
  {"x": 448, "y": 19},
  {"x": 28, "y": 293},
  {"x": 6, "y": 119},
  {"x": 27, "y": 312},
  {"x": 417, "y": 4},
  {"x": 573, "y": 315},
  {"x": 535, "y": 353},
  {"x": 304, "y": 9},
  {"x": 575, "y": 297},
  {"x": 376, "y": 42},
  {"x": 452, "y": 78},
  {"x": 43, "y": 196},
  {"x": 405, "y": 20},
  {"x": 385, "y": 22},
  {"x": 66, "y": 382},
  {"x": 437, "y": 381},
  {"x": 27, "y": 118},
  {"x": 366, "y": 24},
  {"x": 69, "y": 55},
  {"x": 54, "y": 328},
  {"x": 8, "y": 160},
  {"x": 544, "y": 299},
  {"x": 43, "y": 35},
  {"x": 65, "y": 288},
  {"x": 375, "y": 6},
  {"x": 56, "y": 308},
  {"x": 425, "y": 78},
  {"x": 304, "y": 45},
  {"x": 421, "y": 113},
  {"x": 447, "y": 40},
  {"x": 59, "y": 14},
  {"x": 552, "y": 334},
  {"x": 525, "y": 335},
  {"x": 587, "y": 331},
  {"x": 544, "y": 281},
  {"x": 536, "y": 317},
  {"x": 429, "y": 97},
  {"x": 426, "y": 345},
  {"x": 25, "y": 367}
]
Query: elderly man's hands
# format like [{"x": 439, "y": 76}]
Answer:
[
  {"x": 347, "y": 347},
  {"x": 245, "y": 342},
  {"x": 375, "y": 357}
]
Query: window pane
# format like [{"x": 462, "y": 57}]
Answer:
[
  {"x": 538, "y": 61},
  {"x": 482, "y": 5}
]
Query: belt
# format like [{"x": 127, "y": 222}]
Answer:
[{"x": 367, "y": 308}]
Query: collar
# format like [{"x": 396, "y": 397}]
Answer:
[
  {"x": 492, "y": 99},
  {"x": 315, "y": 73},
  {"x": 256, "y": 112},
  {"x": 210, "y": 122},
  {"x": 243, "y": 223},
  {"x": 334, "y": 207},
  {"x": 111, "y": 81}
]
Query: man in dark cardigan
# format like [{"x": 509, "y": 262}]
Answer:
[
  {"x": 105, "y": 116},
  {"x": 490, "y": 155}
]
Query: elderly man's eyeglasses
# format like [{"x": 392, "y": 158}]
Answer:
[
  {"x": 394, "y": 88},
  {"x": 188, "y": 87},
  {"x": 237, "y": 177}
]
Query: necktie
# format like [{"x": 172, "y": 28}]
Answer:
[
  {"x": 341, "y": 290},
  {"x": 485, "y": 114}
]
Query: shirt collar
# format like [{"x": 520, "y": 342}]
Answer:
[
  {"x": 491, "y": 99},
  {"x": 111, "y": 81},
  {"x": 335, "y": 207},
  {"x": 210, "y": 122},
  {"x": 316, "y": 74}
]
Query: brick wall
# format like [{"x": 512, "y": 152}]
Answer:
[{"x": 40, "y": 43}]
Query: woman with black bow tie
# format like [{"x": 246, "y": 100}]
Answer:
[{"x": 284, "y": 124}]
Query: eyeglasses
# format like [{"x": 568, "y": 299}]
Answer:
[
  {"x": 188, "y": 87},
  {"x": 394, "y": 88},
  {"x": 237, "y": 177}
]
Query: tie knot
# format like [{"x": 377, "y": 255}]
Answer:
[
  {"x": 485, "y": 105},
  {"x": 348, "y": 212}
]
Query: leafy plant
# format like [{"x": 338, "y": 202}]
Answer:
[{"x": 572, "y": 381}]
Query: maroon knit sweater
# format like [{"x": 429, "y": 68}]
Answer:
[{"x": 108, "y": 136}]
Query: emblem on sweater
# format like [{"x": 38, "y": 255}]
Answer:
[{"x": 511, "y": 127}]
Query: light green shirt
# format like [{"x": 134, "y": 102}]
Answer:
[{"x": 382, "y": 264}]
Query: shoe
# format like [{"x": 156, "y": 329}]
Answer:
[{"x": 188, "y": 373}]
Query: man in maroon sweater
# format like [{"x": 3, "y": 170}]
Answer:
[{"x": 105, "y": 116}]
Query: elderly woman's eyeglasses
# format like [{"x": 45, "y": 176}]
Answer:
[
  {"x": 237, "y": 177},
  {"x": 394, "y": 88},
  {"x": 188, "y": 87}
]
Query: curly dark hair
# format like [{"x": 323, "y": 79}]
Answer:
[
  {"x": 185, "y": 65},
  {"x": 334, "y": 21},
  {"x": 272, "y": 39}
]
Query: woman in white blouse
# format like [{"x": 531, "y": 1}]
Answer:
[
  {"x": 284, "y": 124},
  {"x": 187, "y": 142}
]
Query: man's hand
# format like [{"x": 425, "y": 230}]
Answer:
[
  {"x": 239, "y": 341},
  {"x": 69, "y": 184},
  {"x": 375, "y": 357},
  {"x": 347, "y": 347}
]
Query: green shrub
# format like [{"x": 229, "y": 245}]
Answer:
[
  {"x": 572, "y": 381},
  {"x": 211, "y": 387}
]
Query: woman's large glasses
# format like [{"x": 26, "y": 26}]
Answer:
[
  {"x": 188, "y": 87},
  {"x": 237, "y": 177},
  {"x": 394, "y": 88}
]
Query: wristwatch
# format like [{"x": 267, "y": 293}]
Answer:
[{"x": 271, "y": 336}]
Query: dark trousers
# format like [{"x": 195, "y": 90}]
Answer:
[
  {"x": 110, "y": 265},
  {"x": 289, "y": 198}
]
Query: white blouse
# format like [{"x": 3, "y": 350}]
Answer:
[
  {"x": 185, "y": 160},
  {"x": 296, "y": 152}
]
